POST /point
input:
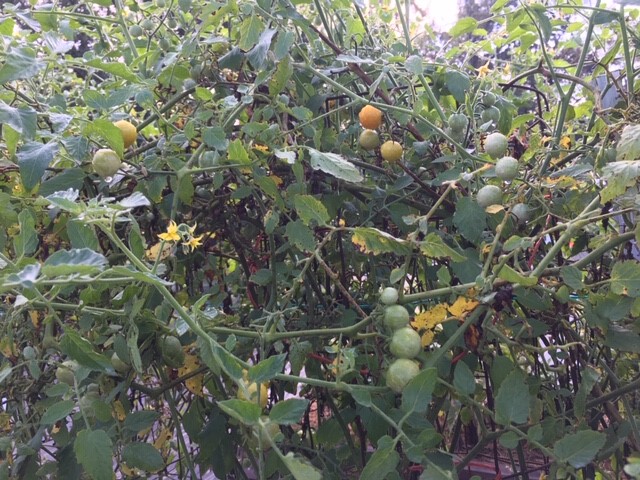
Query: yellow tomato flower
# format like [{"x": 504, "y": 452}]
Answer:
[
  {"x": 172, "y": 233},
  {"x": 193, "y": 242},
  {"x": 484, "y": 70}
]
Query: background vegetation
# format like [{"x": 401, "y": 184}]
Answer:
[{"x": 212, "y": 305}]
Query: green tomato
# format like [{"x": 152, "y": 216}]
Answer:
[
  {"x": 521, "y": 212},
  {"x": 185, "y": 5},
  {"x": 490, "y": 114},
  {"x": 507, "y": 168},
  {"x": 405, "y": 343},
  {"x": 489, "y": 195},
  {"x": 458, "y": 122},
  {"x": 106, "y": 162},
  {"x": 369, "y": 139},
  {"x": 489, "y": 99},
  {"x": 136, "y": 31},
  {"x": 495, "y": 145},
  {"x": 171, "y": 350},
  {"x": 164, "y": 44},
  {"x": 148, "y": 24},
  {"x": 389, "y": 296},
  {"x": 65, "y": 372},
  {"x": 395, "y": 317},
  {"x": 401, "y": 372},
  {"x": 118, "y": 365}
]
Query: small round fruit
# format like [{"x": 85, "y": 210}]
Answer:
[
  {"x": 370, "y": 117},
  {"x": 164, "y": 44},
  {"x": 29, "y": 353},
  {"x": 395, "y": 317},
  {"x": 185, "y": 5},
  {"x": 495, "y": 145},
  {"x": 391, "y": 151},
  {"x": 405, "y": 343},
  {"x": 129, "y": 132},
  {"x": 507, "y": 168},
  {"x": 136, "y": 31},
  {"x": 489, "y": 195},
  {"x": 389, "y": 296},
  {"x": 490, "y": 114},
  {"x": 401, "y": 372},
  {"x": 489, "y": 99},
  {"x": 65, "y": 372},
  {"x": 369, "y": 139},
  {"x": 252, "y": 391},
  {"x": 171, "y": 350},
  {"x": 521, "y": 212},
  {"x": 106, "y": 162},
  {"x": 458, "y": 122},
  {"x": 148, "y": 24},
  {"x": 118, "y": 365}
]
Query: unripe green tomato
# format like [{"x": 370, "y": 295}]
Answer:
[
  {"x": 185, "y": 5},
  {"x": 521, "y": 212},
  {"x": 395, "y": 317},
  {"x": 490, "y": 114},
  {"x": 369, "y": 139},
  {"x": 136, "y": 31},
  {"x": 172, "y": 22},
  {"x": 171, "y": 350},
  {"x": 195, "y": 72},
  {"x": 400, "y": 373},
  {"x": 29, "y": 353},
  {"x": 489, "y": 195},
  {"x": 495, "y": 145},
  {"x": 507, "y": 168},
  {"x": 405, "y": 343},
  {"x": 164, "y": 44},
  {"x": 161, "y": 3},
  {"x": 148, "y": 24},
  {"x": 106, "y": 162},
  {"x": 86, "y": 403},
  {"x": 65, "y": 372},
  {"x": 389, "y": 296},
  {"x": 489, "y": 99},
  {"x": 118, "y": 365},
  {"x": 458, "y": 122}
]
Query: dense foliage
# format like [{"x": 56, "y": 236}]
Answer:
[{"x": 273, "y": 239}]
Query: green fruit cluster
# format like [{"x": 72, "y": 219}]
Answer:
[{"x": 405, "y": 342}]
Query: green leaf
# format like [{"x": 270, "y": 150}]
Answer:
[
  {"x": 19, "y": 63},
  {"x": 416, "y": 396},
  {"x": 288, "y": 411},
  {"x": 433, "y": 246},
  {"x": 26, "y": 242},
  {"x": 237, "y": 154},
  {"x": 70, "y": 178},
  {"x": 622, "y": 339},
  {"x": 572, "y": 276},
  {"x": 108, "y": 132},
  {"x": 578, "y": 449},
  {"x": 464, "y": 25},
  {"x": 117, "y": 69},
  {"x": 413, "y": 64},
  {"x": 33, "y": 159},
  {"x": 82, "y": 235},
  {"x": 138, "y": 421},
  {"x": 383, "y": 461},
  {"x": 463, "y": 379},
  {"x": 94, "y": 452},
  {"x": 267, "y": 369},
  {"x": 143, "y": 456},
  {"x": 300, "y": 235},
  {"x": 335, "y": 165},
  {"x": 544, "y": 24},
  {"x": 81, "y": 350},
  {"x": 510, "y": 275},
  {"x": 80, "y": 261},
  {"x": 512, "y": 400},
  {"x": 457, "y": 83},
  {"x": 244, "y": 411},
  {"x": 601, "y": 17},
  {"x": 619, "y": 176},
  {"x": 625, "y": 278},
  {"x": 628, "y": 147},
  {"x": 372, "y": 240},
  {"x": 310, "y": 209},
  {"x": 470, "y": 219},
  {"x": 250, "y": 30},
  {"x": 300, "y": 469},
  {"x": 258, "y": 54},
  {"x": 361, "y": 396},
  {"x": 215, "y": 137},
  {"x": 57, "y": 411},
  {"x": 22, "y": 120}
]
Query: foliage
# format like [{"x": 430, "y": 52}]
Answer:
[{"x": 240, "y": 249}]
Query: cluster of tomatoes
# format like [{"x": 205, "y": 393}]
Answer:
[{"x": 371, "y": 119}]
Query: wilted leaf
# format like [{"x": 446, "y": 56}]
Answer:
[
  {"x": 434, "y": 246},
  {"x": 372, "y": 240}
]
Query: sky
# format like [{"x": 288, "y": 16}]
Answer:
[{"x": 443, "y": 13}]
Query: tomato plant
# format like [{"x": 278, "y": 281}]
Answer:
[{"x": 207, "y": 267}]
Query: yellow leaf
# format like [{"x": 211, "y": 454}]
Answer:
[
  {"x": 162, "y": 441},
  {"x": 494, "y": 209},
  {"x": 428, "y": 319},
  {"x": 194, "y": 383},
  {"x": 153, "y": 252},
  {"x": 427, "y": 337},
  {"x": 462, "y": 306},
  {"x": 118, "y": 411}
]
